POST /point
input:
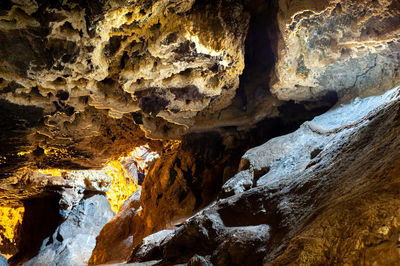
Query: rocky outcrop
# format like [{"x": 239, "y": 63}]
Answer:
[
  {"x": 35, "y": 186},
  {"x": 104, "y": 77},
  {"x": 74, "y": 239},
  {"x": 117, "y": 238},
  {"x": 36, "y": 183},
  {"x": 351, "y": 47},
  {"x": 180, "y": 183},
  {"x": 64, "y": 212},
  {"x": 325, "y": 194},
  {"x": 185, "y": 179},
  {"x": 96, "y": 78}
]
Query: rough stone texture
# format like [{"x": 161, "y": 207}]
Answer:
[
  {"x": 176, "y": 187},
  {"x": 116, "y": 239},
  {"x": 10, "y": 227},
  {"x": 35, "y": 183},
  {"x": 17, "y": 191},
  {"x": 186, "y": 179},
  {"x": 74, "y": 239},
  {"x": 49, "y": 200},
  {"x": 325, "y": 194},
  {"x": 34, "y": 227},
  {"x": 351, "y": 47},
  {"x": 78, "y": 79},
  {"x": 94, "y": 80},
  {"x": 104, "y": 77},
  {"x": 85, "y": 82}
]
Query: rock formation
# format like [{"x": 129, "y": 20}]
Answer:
[
  {"x": 74, "y": 239},
  {"x": 62, "y": 221},
  {"x": 230, "y": 94},
  {"x": 323, "y": 195},
  {"x": 337, "y": 45}
]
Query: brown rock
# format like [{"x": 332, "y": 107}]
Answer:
[
  {"x": 351, "y": 47},
  {"x": 339, "y": 209}
]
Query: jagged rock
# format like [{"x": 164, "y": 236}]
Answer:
[
  {"x": 44, "y": 185},
  {"x": 116, "y": 239},
  {"x": 175, "y": 187},
  {"x": 327, "y": 182},
  {"x": 338, "y": 46},
  {"x": 36, "y": 183},
  {"x": 74, "y": 239},
  {"x": 179, "y": 184},
  {"x": 64, "y": 212},
  {"x": 98, "y": 78},
  {"x": 83, "y": 83}
]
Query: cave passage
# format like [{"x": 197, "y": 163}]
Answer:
[{"x": 199, "y": 132}]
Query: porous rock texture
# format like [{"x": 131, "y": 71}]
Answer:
[
  {"x": 40, "y": 188},
  {"x": 201, "y": 82},
  {"x": 103, "y": 77},
  {"x": 183, "y": 181},
  {"x": 60, "y": 226},
  {"x": 175, "y": 188},
  {"x": 35, "y": 183},
  {"x": 78, "y": 79},
  {"x": 351, "y": 47},
  {"x": 326, "y": 194},
  {"x": 74, "y": 239}
]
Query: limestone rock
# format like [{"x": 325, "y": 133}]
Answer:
[
  {"x": 351, "y": 47},
  {"x": 36, "y": 183},
  {"x": 175, "y": 188},
  {"x": 74, "y": 239},
  {"x": 183, "y": 181},
  {"x": 326, "y": 183},
  {"x": 116, "y": 239},
  {"x": 85, "y": 82}
]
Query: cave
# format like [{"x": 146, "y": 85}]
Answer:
[{"x": 200, "y": 132}]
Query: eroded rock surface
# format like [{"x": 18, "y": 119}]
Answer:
[
  {"x": 73, "y": 241},
  {"x": 35, "y": 183},
  {"x": 351, "y": 47},
  {"x": 83, "y": 83},
  {"x": 324, "y": 194},
  {"x": 64, "y": 212},
  {"x": 116, "y": 239},
  {"x": 94, "y": 78}
]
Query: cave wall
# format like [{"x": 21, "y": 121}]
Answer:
[
  {"x": 60, "y": 224},
  {"x": 324, "y": 194},
  {"x": 83, "y": 83},
  {"x": 351, "y": 47}
]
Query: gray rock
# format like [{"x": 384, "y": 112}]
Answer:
[
  {"x": 73, "y": 241},
  {"x": 3, "y": 261},
  {"x": 198, "y": 260},
  {"x": 312, "y": 195}
]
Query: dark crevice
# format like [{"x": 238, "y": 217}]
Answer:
[{"x": 41, "y": 218}]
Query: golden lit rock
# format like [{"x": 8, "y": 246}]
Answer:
[
  {"x": 125, "y": 174},
  {"x": 122, "y": 187},
  {"x": 10, "y": 219},
  {"x": 10, "y": 225}
]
